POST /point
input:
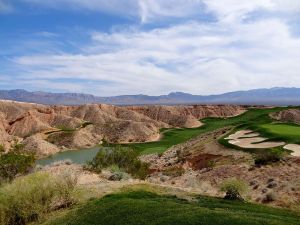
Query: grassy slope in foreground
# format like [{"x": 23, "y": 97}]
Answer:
[
  {"x": 144, "y": 208},
  {"x": 176, "y": 136}
]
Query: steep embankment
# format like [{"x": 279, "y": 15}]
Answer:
[
  {"x": 187, "y": 116},
  {"x": 289, "y": 115},
  {"x": 48, "y": 129}
]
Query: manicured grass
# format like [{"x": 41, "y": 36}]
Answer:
[
  {"x": 145, "y": 208},
  {"x": 176, "y": 136},
  {"x": 286, "y": 132}
]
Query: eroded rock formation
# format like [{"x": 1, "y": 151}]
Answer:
[
  {"x": 48, "y": 129},
  {"x": 289, "y": 115}
]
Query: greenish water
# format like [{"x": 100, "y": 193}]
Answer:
[{"x": 76, "y": 156}]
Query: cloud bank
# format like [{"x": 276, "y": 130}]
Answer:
[{"x": 249, "y": 44}]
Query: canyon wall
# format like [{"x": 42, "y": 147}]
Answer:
[{"x": 49, "y": 129}]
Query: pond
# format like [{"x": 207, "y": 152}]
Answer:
[{"x": 80, "y": 156}]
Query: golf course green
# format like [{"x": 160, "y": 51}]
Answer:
[
  {"x": 287, "y": 132},
  {"x": 256, "y": 119}
]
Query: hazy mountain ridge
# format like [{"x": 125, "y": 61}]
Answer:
[{"x": 273, "y": 96}]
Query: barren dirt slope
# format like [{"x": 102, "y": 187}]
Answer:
[
  {"x": 290, "y": 115},
  {"x": 45, "y": 129}
]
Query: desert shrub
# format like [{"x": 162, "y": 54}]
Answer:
[
  {"x": 124, "y": 158},
  {"x": 211, "y": 164},
  {"x": 17, "y": 147},
  {"x": 117, "y": 176},
  {"x": 270, "y": 197},
  {"x": 2, "y": 149},
  {"x": 117, "y": 173},
  {"x": 174, "y": 171},
  {"x": 234, "y": 189},
  {"x": 115, "y": 169},
  {"x": 15, "y": 163},
  {"x": 139, "y": 169},
  {"x": 265, "y": 157},
  {"x": 65, "y": 128},
  {"x": 29, "y": 198},
  {"x": 85, "y": 124}
]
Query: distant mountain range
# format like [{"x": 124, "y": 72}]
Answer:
[{"x": 273, "y": 96}]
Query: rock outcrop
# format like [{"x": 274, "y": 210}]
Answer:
[
  {"x": 39, "y": 146},
  {"x": 289, "y": 115},
  {"x": 187, "y": 116},
  {"x": 48, "y": 129}
]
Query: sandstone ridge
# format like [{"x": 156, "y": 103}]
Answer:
[{"x": 49, "y": 129}]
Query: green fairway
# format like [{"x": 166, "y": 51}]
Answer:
[
  {"x": 175, "y": 136},
  {"x": 288, "y": 132},
  {"x": 144, "y": 208}
]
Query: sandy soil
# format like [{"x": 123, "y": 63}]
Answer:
[
  {"x": 246, "y": 139},
  {"x": 293, "y": 147},
  {"x": 242, "y": 133}
]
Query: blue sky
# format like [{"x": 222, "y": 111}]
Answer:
[{"x": 149, "y": 46}]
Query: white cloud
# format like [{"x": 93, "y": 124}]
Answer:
[
  {"x": 192, "y": 57},
  {"x": 286, "y": 6},
  {"x": 236, "y": 10},
  {"x": 232, "y": 10},
  {"x": 150, "y": 10},
  {"x": 197, "y": 57}
]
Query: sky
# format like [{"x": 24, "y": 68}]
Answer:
[{"x": 152, "y": 47}]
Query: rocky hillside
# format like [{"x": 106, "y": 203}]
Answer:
[
  {"x": 202, "y": 164},
  {"x": 49, "y": 129},
  {"x": 290, "y": 116}
]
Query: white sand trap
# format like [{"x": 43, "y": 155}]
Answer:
[
  {"x": 247, "y": 139},
  {"x": 293, "y": 147},
  {"x": 242, "y": 134}
]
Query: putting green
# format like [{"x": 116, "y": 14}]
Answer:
[{"x": 286, "y": 130}]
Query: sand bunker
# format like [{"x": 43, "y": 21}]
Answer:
[
  {"x": 242, "y": 134},
  {"x": 249, "y": 139},
  {"x": 293, "y": 147}
]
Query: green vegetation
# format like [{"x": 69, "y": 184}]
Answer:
[
  {"x": 15, "y": 162},
  {"x": 234, "y": 189},
  {"x": 269, "y": 156},
  {"x": 282, "y": 131},
  {"x": 65, "y": 128},
  {"x": 85, "y": 124},
  {"x": 122, "y": 157},
  {"x": 2, "y": 149},
  {"x": 29, "y": 198},
  {"x": 268, "y": 128},
  {"x": 145, "y": 208}
]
